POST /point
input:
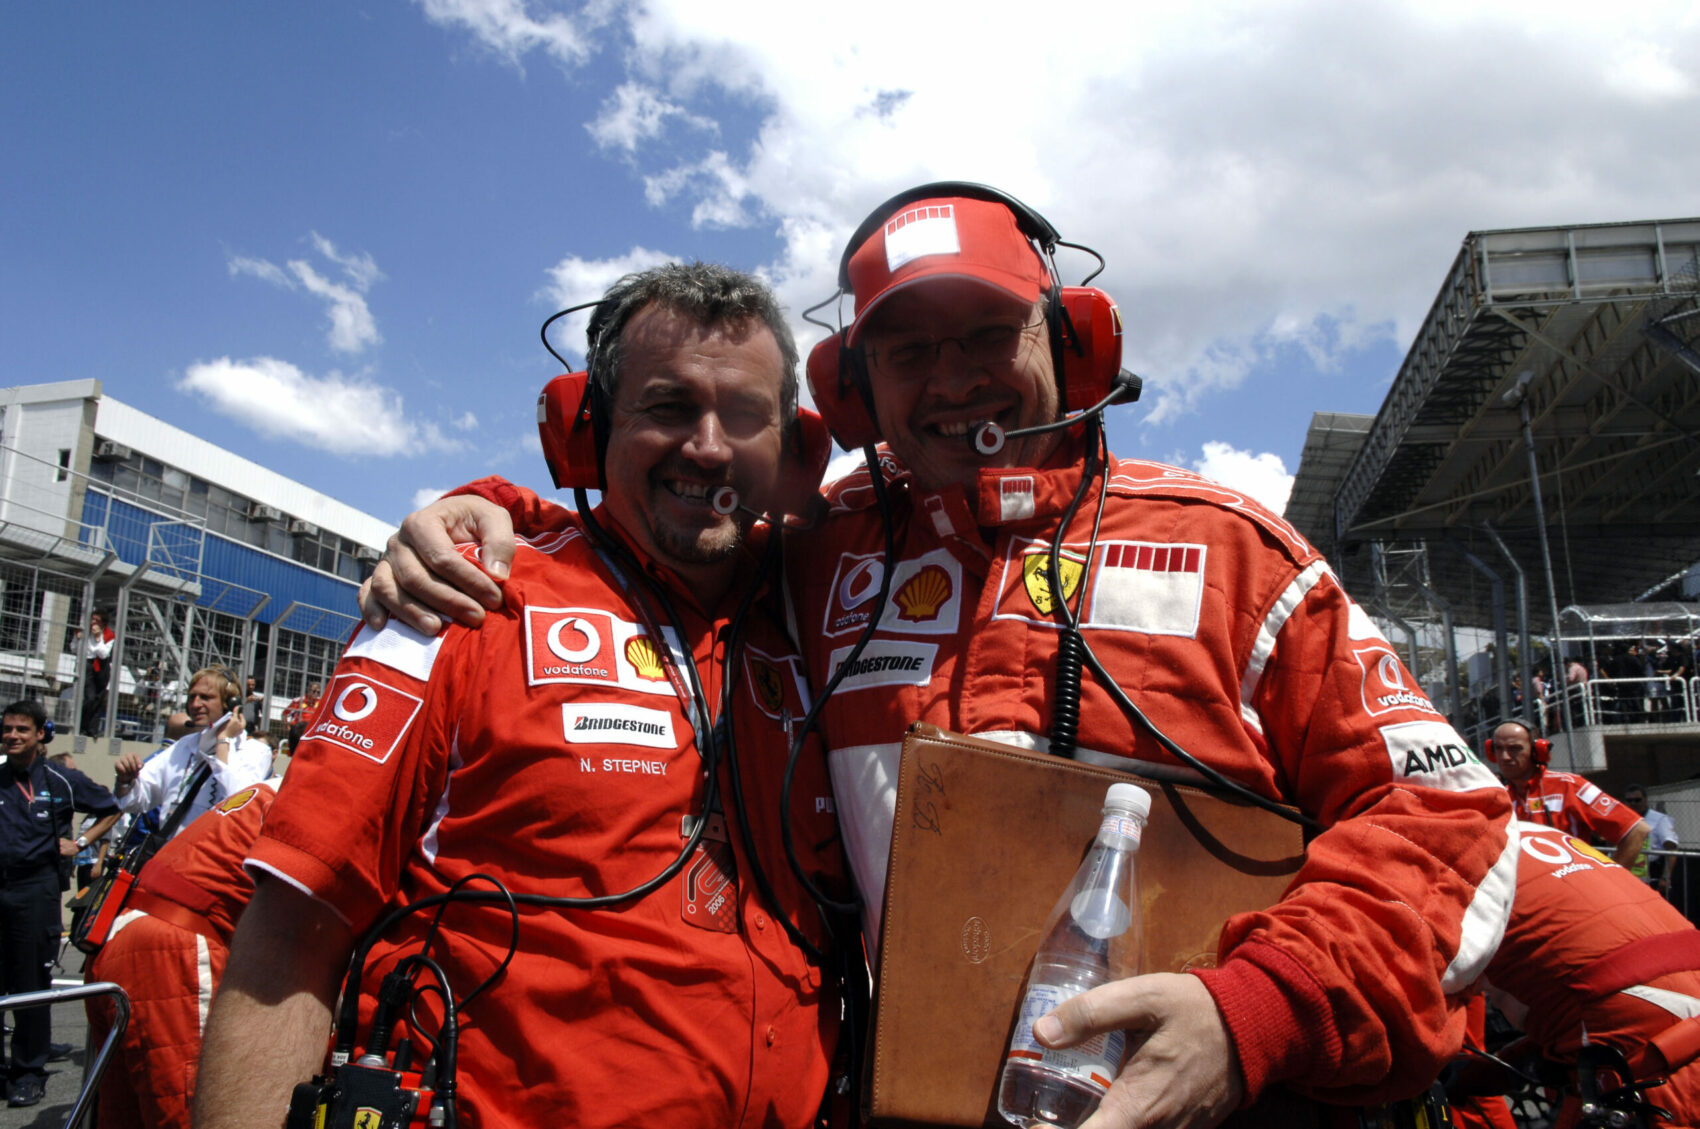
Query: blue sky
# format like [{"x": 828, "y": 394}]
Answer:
[{"x": 324, "y": 235}]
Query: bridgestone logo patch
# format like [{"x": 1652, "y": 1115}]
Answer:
[
  {"x": 886, "y": 662},
  {"x": 613, "y": 723}
]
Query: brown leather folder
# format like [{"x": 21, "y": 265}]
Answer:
[{"x": 986, "y": 838}]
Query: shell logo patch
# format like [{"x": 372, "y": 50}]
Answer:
[
  {"x": 1036, "y": 574},
  {"x": 921, "y": 597},
  {"x": 236, "y": 801},
  {"x": 645, "y": 659},
  {"x": 1582, "y": 848}
]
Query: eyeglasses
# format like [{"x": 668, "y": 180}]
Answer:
[{"x": 912, "y": 358}]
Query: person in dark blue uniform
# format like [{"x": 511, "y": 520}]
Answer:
[{"x": 36, "y": 802}]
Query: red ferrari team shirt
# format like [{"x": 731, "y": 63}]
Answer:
[
  {"x": 201, "y": 868},
  {"x": 1572, "y": 804},
  {"x": 549, "y": 749}
]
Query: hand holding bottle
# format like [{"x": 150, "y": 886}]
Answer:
[{"x": 1181, "y": 1070}]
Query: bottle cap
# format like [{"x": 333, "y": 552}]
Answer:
[{"x": 1131, "y": 797}]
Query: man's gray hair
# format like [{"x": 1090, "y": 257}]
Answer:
[{"x": 708, "y": 294}]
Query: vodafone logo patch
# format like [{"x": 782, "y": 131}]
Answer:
[
  {"x": 355, "y": 703},
  {"x": 855, "y": 583},
  {"x": 594, "y": 647},
  {"x": 367, "y": 716},
  {"x": 1386, "y": 687}
]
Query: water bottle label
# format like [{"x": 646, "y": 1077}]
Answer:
[
  {"x": 1124, "y": 826},
  {"x": 1094, "y": 1062}
]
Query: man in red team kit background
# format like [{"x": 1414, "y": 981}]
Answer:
[
  {"x": 561, "y": 749},
  {"x": 1241, "y": 646},
  {"x": 1562, "y": 799},
  {"x": 1591, "y": 949},
  {"x": 167, "y": 950}
]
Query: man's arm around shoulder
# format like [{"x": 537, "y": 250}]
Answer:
[{"x": 271, "y": 1019}]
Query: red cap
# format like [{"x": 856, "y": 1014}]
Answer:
[{"x": 946, "y": 237}]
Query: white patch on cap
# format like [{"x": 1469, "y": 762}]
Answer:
[{"x": 920, "y": 231}]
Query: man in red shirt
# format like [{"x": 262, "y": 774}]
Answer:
[
  {"x": 167, "y": 950},
  {"x": 1592, "y": 950},
  {"x": 1562, "y": 799},
  {"x": 299, "y": 712},
  {"x": 611, "y": 749}
]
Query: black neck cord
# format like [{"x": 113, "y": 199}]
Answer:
[{"x": 1114, "y": 688}]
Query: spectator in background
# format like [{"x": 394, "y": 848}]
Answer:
[
  {"x": 92, "y": 844},
  {"x": 97, "y": 662},
  {"x": 36, "y": 802},
  {"x": 1576, "y": 690},
  {"x": 300, "y": 712},
  {"x": 237, "y": 761},
  {"x": 253, "y": 709},
  {"x": 1655, "y": 870}
]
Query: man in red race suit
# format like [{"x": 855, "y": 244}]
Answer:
[
  {"x": 1210, "y": 612},
  {"x": 561, "y": 749},
  {"x": 167, "y": 950},
  {"x": 1563, "y": 799},
  {"x": 1589, "y": 946}
]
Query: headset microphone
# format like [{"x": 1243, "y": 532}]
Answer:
[
  {"x": 988, "y": 438},
  {"x": 725, "y": 501}
]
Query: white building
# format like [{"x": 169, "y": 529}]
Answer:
[{"x": 196, "y": 555}]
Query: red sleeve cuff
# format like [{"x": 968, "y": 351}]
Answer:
[{"x": 1276, "y": 1014}]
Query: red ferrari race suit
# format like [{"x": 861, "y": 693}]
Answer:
[
  {"x": 1591, "y": 946},
  {"x": 550, "y": 749},
  {"x": 167, "y": 950},
  {"x": 1235, "y": 638},
  {"x": 1571, "y": 804}
]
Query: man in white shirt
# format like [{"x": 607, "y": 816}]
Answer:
[
  {"x": 1661, "y": 836},
  {"x": 237, "y": 761}
]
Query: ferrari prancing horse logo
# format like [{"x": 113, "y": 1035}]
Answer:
[{"x": 1036, "y": 571}]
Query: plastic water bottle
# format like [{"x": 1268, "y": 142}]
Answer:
[{"x": 1091, "y": 938}]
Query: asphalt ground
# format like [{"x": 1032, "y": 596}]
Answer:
[{"x": 64, "y": 1079}]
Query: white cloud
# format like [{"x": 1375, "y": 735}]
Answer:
[
  {"x": 352, "y": 326},
  {"x": 424, "y": 496},
  {"x": 1263, "y": 476},
  {"x": 1252, "y": 172},
  {"x": 361, "y": 269},
  {"x": 574, "y": 280},
  {"x": 509, "y": 28},
  {"x": 336, "y": 413},
  {"x": 466, "y": 422},
  {"x": 636, "y": 113}
]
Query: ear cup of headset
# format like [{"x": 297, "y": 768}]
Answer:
[
  {"x": 564, "y": 426},
  {"x": 1091, "y": 362},
  {"x": 1541, "y": 753},
  {"x": 836, "y": 396}
]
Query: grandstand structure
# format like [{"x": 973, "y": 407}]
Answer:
[
  {"x": 196, "y": 555},
  {"x": 1539, "y": 450}
]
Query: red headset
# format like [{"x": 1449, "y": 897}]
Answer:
[
  {"x": 566, "y": 423},
  {"x": 1085, "y": 325},
  {"x": 1540, "y": 749}
]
